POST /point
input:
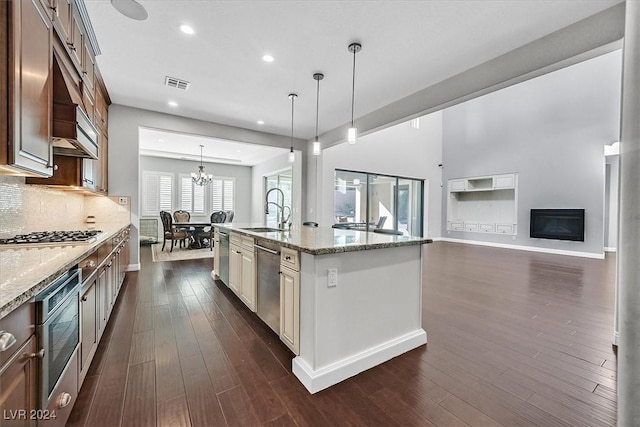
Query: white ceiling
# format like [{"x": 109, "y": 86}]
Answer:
[
  {"x": 407, "y": 46},
  {"x": 173, "y": 145}
]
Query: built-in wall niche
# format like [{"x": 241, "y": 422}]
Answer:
[{"x": 484, "y": 204}]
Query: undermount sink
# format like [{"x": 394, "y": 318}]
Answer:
[{"x": 261, "y": 229}]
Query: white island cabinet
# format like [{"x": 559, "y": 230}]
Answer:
[{"x": 349, "y": 300}]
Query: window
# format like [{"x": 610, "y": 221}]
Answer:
[
  {"x": 157, "y": 192},
  {"x": 191, "y": 195},
  {"x": 222, "y": 194},
  {"x": 369, "y": 201}
]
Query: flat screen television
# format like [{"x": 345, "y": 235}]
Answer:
[{"x": 558, "y": 224}]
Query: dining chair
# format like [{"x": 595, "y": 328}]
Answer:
[
  {"x": 170, "y": 232},
  {"x": 229, "y": 217}
]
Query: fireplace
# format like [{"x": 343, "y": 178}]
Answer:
[{"x": 559, "y": 224}]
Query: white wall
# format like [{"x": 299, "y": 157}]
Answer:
[
  {"x": 269, "y": 167},
  {"x": 611, "y": 203},
  {"x": 242, "y": 175},
  {"x": 551, "y": 130},
  {"x": 398, "y": 150}
]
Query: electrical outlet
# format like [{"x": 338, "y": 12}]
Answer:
[
  {"x": 122, "y": 200},
  {"x": 332, "y": 278}
]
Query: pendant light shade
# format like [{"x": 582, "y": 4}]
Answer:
[
  {"x": 201, "y": 178},
  {"x": 131, "y": 9},
  {"x": 292, "y": 156},
  {"x": 352, "y": 133},
  {"x": 316, "y": 142}
]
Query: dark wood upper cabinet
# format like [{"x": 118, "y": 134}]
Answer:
[
  {"x": 62, "y": 19},
  {"x": 75, "y": 43},
  {"x": 26, "y": 88}
]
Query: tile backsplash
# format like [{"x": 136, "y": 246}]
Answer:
[{"x": 26, "y": 208}]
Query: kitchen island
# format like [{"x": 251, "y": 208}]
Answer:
[{"x": 349, "y": 300}]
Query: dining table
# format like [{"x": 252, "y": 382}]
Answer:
[{"x": 197, "y": 235}]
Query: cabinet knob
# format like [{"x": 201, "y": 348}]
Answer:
[
  {"x": 63, "y": 400},
  {"x": 84, "y": 298},
  {"x": 287, "y": 257},
  {"x": 6, "y": 340},
  {"x": 71, "y": 46},
  {"x": 91, "y": 264},
  {"x": 39, "y": 354}
]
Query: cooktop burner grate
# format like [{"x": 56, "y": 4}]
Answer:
[{"x": 53, "y": 237}]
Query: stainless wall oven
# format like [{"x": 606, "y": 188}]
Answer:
[{"x": 57, "y": 330}]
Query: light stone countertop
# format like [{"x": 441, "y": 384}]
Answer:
[
  {"x": 327, "y": 240},
  {"x": 25, "y": 271}
]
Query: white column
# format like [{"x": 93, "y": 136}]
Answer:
[{"x": 629, "y": 234}]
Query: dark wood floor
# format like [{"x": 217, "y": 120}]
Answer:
[{"x": 514, "y": 339}]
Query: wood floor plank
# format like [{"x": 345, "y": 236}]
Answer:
[
  {"x": 236, "y": 407},
  {"x": 142, "y": 347},
  {"x": 140, "y": 397},
  {"x": 204, "y": 408},
  {"x": 299, "y": 403},
  {"x": 401, "y": 413},
  {"x": 169, "y": 382},
  {"x": 144, "y": 317},
  {"x": 174, "y": 413},
  {"x": 468, "y": 413}
]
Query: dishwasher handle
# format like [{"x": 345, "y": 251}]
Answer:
[{"x": 262, "y": 248}]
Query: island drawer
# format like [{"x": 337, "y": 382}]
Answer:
[
  {"x": 247, "y": 242},
  {"x": 235, "y": 238},
  {"x": 290, "y": 258},
  {"x": 18, "y": 325}
]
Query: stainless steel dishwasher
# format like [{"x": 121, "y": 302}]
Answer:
[
  {"x": 224, "y": 255},
  {"x": 268, "y": 283}
]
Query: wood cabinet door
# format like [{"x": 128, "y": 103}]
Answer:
[
  {"x": 290, "y": 308},
  {"x": 75, "y": 44},
  {"x": 18, "y": 387},
  {"x": 62, "y": 19},
  {"x": 89, "y": 71},
  {"x": 89, "y": 319},
  {"x": 31, "y": 89},
  {"x": 248, "y": 279}
]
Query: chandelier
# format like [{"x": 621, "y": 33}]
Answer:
[{"x": 201, "y": 178}]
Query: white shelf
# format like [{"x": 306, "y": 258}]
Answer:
[{"x": 485, "y": 204}]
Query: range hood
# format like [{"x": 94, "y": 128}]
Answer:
[{"x": 72, "y": 132}]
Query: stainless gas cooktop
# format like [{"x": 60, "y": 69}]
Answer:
[{"x": 52, "y": 238}]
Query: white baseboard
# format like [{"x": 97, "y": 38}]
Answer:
[
  {"x": 526, "y": 248},
  {"x": 133, "y": 267},
  {"x": 325, "y": 377},
  {"x": 616, "y": 337},
  {"x": 608, "y": 249}
]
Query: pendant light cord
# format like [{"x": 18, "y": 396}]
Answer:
[
  {"x": 353, "y": 86},
  {"x": 293, "y": 97},
  {"x": 317, "y": 106}
]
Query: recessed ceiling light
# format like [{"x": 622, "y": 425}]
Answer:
[
  {"x": 268, "y": 58},
  {"x": 161, "y": 140},
  {"x": 172, "y": 104},
  {"x": 260, "y": 122},
  {"x": 187, "y": 29}
]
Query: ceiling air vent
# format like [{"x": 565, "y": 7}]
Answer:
[{"x": 177, "y": 83}]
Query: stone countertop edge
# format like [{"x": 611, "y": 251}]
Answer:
[
  {"x": 13, "y": 303},
  {"x": 331, "y": 249}
]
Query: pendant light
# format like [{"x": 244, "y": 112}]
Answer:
[
  {"x": 200, "y": 178},
  {"x": 131, "y": 9},
  {"x": 292, "y": 156},
  {"x": 352, "y": 132},
  {"x": 316, "y": 142}
]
